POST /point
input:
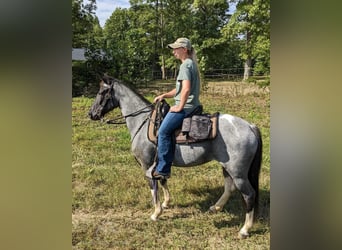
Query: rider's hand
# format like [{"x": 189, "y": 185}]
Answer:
[
  {"x": 175, "y": 109},
  {"x": 158, "y": 98}
]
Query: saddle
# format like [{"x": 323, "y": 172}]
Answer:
[{"x": 196, "y": 126}]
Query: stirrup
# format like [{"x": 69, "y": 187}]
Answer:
[{"x": 158, "y": 176}]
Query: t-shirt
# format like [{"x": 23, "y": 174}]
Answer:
[{"x": 188, "y": 71}]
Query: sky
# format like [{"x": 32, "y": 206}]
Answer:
[{"x": 105, "y": 8}]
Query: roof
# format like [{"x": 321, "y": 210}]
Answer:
[{"x": 78, "y": 54}]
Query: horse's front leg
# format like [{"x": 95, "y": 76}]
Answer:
[
  {"x": 155, "y": 198},
  {"x": 166, "y": 193}
]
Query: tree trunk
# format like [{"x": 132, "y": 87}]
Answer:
[
  {"x": 248, "y": 63},
  {"x": 175, "y": 73},
  {"x": 162, "y": 39},
  {"x": 163, "y": 68},
  {"x": 247, "y": 69}
]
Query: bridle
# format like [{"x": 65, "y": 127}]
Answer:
[
  {"x": 120, "y": 117},
  {"x": 115, "y": 120},
  {"x": 108, "y": 96}
]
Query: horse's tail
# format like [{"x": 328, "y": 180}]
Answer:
[{"x": 254, "y": 171}]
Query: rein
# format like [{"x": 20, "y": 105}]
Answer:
[{"x": 116, "y": 119}]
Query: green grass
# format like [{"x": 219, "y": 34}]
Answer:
[{"x": 112, "y": 201}]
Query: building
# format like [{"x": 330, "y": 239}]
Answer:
[{"x": 78, "y": 54}]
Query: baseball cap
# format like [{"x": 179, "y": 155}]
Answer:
[{"x": 180, "y": 42}]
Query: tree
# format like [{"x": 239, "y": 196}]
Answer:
[
  {"x": 129, "y": 40},
  {"x": 83, "y": 16},
  {"x": 251, "y": 23},
  {"x": 149, "y": 25},
  {"x": 87, "y": 34},
  {"x": 200, "y": 21},
  {"x": 135, "y": 39},
  {"x": 209, "y": 17}
]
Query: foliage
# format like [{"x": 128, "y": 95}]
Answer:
[
  {"x": 262, "y": 82},
  {"x": 129, "y": 42},
  {"x": 87, "y": 34},
  {"x": 82, "y": 22},
  {"x": 251, "y": 23},
  {"x": 132, "y": 45}
]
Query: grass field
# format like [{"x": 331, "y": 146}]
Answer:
[{"x": 112, "y": 202}]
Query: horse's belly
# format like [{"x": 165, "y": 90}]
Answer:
[{"x": 191, "y": 155}]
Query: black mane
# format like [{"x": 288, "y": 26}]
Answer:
[{"x": 110, "y": 80}]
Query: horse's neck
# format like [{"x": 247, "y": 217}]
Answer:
[{"x": 130, "y": 102}]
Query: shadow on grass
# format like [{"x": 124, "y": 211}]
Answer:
[
  {"x": 235, "y": 205},
  {"x": 166, "y": 216}
]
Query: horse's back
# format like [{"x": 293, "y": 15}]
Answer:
[
  {"x": 235, "y": 138},
  {"x": 233, "y": 126},
  {"x": 235, "y": 131}
]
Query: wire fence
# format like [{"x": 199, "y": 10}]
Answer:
[
  {"x": 230, "y": 74},
  {"x": 213, "y": 75}
]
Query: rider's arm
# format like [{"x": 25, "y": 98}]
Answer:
[{"x": 169, "y": 94}]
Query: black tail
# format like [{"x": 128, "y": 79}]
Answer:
[{"x": 254, "y": 171}]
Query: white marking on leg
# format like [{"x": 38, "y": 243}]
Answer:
[
  {"x": 166, "y": 196},
  {"x": 157, "y": 207},
  {"x": 220, "y": 203},
  {"x": 247, "y": 226},
  {"x": 224, "y": 198}
]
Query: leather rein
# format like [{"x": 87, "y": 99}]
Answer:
[{"x": 116, "y": 119}]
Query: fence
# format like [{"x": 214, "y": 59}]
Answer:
[
  {"x": 230, "y": 74},
  {"x": 157, "y": 74}
]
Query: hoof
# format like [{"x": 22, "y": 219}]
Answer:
[
  {"x": 165, "y": 206},
  {"x": 153, "y": 217},
  {"x": 214, "y": 209},
  {"x": 243, "y": 236}
]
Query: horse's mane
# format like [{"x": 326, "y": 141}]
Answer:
[{"x": 109, "y": 80}]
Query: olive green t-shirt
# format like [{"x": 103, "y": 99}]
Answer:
[{"x": 188, "y": 71}]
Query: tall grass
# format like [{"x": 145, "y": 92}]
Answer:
[{"x": 112, "y": 201}]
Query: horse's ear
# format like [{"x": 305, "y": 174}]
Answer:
[
  {"x": 105, "y": 78},
  {"x": 104, "y": 84}
]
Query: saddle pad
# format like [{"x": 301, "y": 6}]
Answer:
[
  {"x": 182, "y": 138},
  {"x": 152, "y": 133}
]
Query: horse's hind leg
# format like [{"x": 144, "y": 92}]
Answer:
[
  {"x": 229, "y": 187},
  {"x": 248, "y": 194}
]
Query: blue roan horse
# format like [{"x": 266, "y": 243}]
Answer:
[{"x": 237, "y": 147}]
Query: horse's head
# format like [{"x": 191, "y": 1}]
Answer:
[{"x": 105, "y": 99}]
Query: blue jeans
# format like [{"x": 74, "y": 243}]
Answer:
[{"x": 166, "y": 143}]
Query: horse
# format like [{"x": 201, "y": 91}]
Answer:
[{"x": 237, "y": 147}]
